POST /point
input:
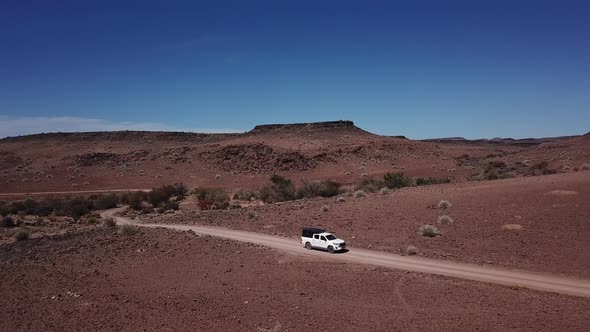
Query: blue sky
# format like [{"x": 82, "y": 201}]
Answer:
[{"x": 417, "y": 68}]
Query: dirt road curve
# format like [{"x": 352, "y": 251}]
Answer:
[{"x": 536, "y": 281}]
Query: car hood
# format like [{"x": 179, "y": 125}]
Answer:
[{"x": 338, "y": 241}]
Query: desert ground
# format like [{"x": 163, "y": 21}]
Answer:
[
  {"x": 164, "y": 280},
  {"x": 516, "y": 205}
]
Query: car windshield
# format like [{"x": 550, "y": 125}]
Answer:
[{"x": 330, "y": 237}]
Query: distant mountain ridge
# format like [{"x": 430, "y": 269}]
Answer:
[{"x": 524, "y": 142}]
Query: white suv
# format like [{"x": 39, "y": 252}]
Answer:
[{"x": 320, "y": 239}]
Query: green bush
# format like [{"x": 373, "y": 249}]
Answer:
[
  {"x": 330, "y": 188},
  {"x": 21, "y": 234},
  {"x": 134, "y": 199},
  {"x": 29, "y": 206},
  {"x": 78, "y": 207},
  {"x": 156, "y": 197},
  {"x": 7, "y": 222},
  {"x": 326, "y": 188},
  {"x": 397, "y": 180},
  {"x": 4, "y": 208},
  {"x": 281, "y": 189},
  {"x": 106, "y": 202},
  {"x": 211, "y": 198},
  {"x": 71, "y": 207},
  {"x": 161, "y": 195},
  {"x": 170, "y": 205}
]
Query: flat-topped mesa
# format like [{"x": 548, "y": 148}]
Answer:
[{"x": 304, "y": 126}]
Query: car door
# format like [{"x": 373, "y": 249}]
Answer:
[
  {"x": 323, "y": 242},
  {"x": 315, "y": 240}
]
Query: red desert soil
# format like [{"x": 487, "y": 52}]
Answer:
[
  {"x": 164, "y": 280},
  {"x": 336, "y": 150},
  {"x": 553, "y": 236}
]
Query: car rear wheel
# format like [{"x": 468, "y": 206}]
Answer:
[
  {"x": 307, "y": 245},
  {"x": 331, "y": 249}
]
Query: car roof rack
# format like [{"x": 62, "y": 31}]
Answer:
[{"x": 313, "y": 229}]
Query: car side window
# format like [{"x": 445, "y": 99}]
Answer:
[
  {"x": 315, "y": 236},
  {"x": 323, "y": 238}
]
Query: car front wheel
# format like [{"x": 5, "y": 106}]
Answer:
[{"x": 331, "y": 249}]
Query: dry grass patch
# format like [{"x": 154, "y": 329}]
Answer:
[
  {"x": 109, "y": 222},
  {"x": 411, "y": 250},
  {"x": 128, "y": 230},
  {"x": 512, "y": 227}
]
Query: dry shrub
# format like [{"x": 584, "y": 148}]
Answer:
[
  {"x": 312, "y": 189},
  {"x": 445, "y": 220},
  {"x": 425, "y": 181},
  {"x": 245, "y": 195},
  {"x": 397, "y": 180},
  {"x": 428, "y": 231},
  {"x": 128, "y": 230},
  {"x": 211, "y": 198},
  {"x": 169, "y": 205},
  {"x": 359, "y": 194},
  {"x": 109, "y": 222},
  {"x": 444, "y": 204},
  {"x": 370, "y": 185},
  {"x": 411, "y": 250},
  {"x": 541, "y": 168}
]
